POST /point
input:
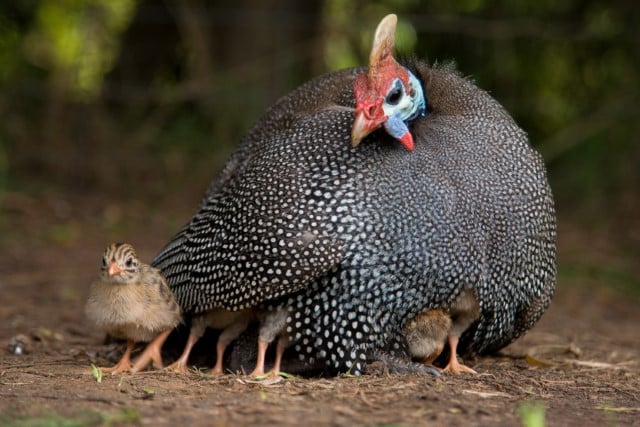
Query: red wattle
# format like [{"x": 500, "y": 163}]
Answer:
[{"x": 407, "y": 141}]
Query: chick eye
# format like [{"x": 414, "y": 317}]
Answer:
[
  {"x": 129, "y": 262},
  {"x": 104, "y": 261},
  {"x": 394, "y": 95}
]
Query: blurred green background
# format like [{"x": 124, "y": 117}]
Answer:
[{"x": 142, "y": 101}]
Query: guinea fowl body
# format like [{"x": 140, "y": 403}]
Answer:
[{"x": 354, "y": 242}]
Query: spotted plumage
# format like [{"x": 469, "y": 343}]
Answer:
[{"x": 355, "y": 242}]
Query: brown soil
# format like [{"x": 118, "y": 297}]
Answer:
[{"x": 578, "y": 366}]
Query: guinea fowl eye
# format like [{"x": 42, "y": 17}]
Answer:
[
  {"x": 104, "y": 261},
  {"x": 394, "y": 95},
  {"x": 129, "y": 262}
]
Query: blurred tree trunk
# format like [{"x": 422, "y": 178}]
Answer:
[
  {"x": 269, "y": 43},
  {"x": 211, "y": 59}
]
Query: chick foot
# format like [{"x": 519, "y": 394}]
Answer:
[
  {"x": 151, "y": 354},
  {"x": 454, "y": 366},
  {"x": 124, "y": 365}
]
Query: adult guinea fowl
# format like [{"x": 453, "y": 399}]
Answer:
[{"x": 353, "y": 242}]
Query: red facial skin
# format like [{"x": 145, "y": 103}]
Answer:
[{"x": 370, "y": 90}]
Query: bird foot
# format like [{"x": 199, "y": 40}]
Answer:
[
  {"x": 272, "y": 377},
  {"x": 217, "y": 370},
  {"x": 272, "y": 374},
  {"x": 143, "y": 361},
  {"x": 151, "y": 353},
  {"x": 179, "y": 367},
  {"x": 123, "y": 366},
  {"x": 456, "y": 367},
  {"x": 260, "y": 374},
  {"x": 257, "y": 373}
]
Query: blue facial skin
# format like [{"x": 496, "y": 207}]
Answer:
[
  {"x": 396, "y": 127},
  {"x": 405, "y": 108}
]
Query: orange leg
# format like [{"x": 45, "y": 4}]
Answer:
[
  {"x": 124, "y": 365},
  {"x": 180, "y": 365},
  {"x": 229, "y": 334},
  {"x": 262, "y": 350},
  {"x": 221, "y": 346},
  {"x": 151, "y": 353},
  {"x": 453, "y": 365},
  {"x": 280, "y": 347}
]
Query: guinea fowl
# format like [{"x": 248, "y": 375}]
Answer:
[
  {"x": 131, "y": 300},
  {"x": 464, "y": 311},
  {"x": 353, "y": 242},
  {"x": 426, "y": 334}
]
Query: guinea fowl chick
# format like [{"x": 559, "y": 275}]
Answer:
[
  {"x": 465, "y": 311},
  {"x": 426, "y": 335},
  {"x": 132, "y": 300},
  {"x": 272, "y": 325},
  {"x": 232, "y": 324}
]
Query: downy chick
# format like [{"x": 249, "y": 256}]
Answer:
[{"x": 131, "y": 300}]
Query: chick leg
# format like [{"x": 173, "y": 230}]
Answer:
[
  {"x": 272, "y": 326},
  {"x": 124, "y": 365},
  {"x": 180, "y": 365},
  {"x": 453, "y": 365},
  {"x": 227, "y": 336},
  {"x": 151, "y": 353},
  {"x": 262, "y": 350},
  {"x": 428, "y": 359},
  {"x": 280, "y": 347}
]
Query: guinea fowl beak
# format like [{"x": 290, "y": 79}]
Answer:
[
  {"x": 362, "y": 126},
  {"x": 114, "y": 269}
]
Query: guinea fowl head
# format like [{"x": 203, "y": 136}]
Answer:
[
  {"x": 120, "y": 263},
  {"x": 388, "y": 94}
]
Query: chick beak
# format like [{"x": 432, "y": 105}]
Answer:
[
  {"x": 114, "y": 269},
  {"x": 362, "y": 126}
]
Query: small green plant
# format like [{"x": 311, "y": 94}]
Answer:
[
  {"x": 148, "y": 392},
  {"x": 532, "y": 414},
  {"x": 125, "y": 416},
  {"x": 286, "y": 376},
  {"x": 97, "y": 373},
  {"x": 281, "y": 374},
  {"x": 201, "y": 373}
]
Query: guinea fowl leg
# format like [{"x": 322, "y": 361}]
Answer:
[
  {"x": 453, "y": 365},
  {"x": 151, "y": 353},
  {"x": 124, "y": 365}
]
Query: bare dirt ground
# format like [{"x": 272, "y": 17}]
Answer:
[{"x": 580, "y": 365}]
